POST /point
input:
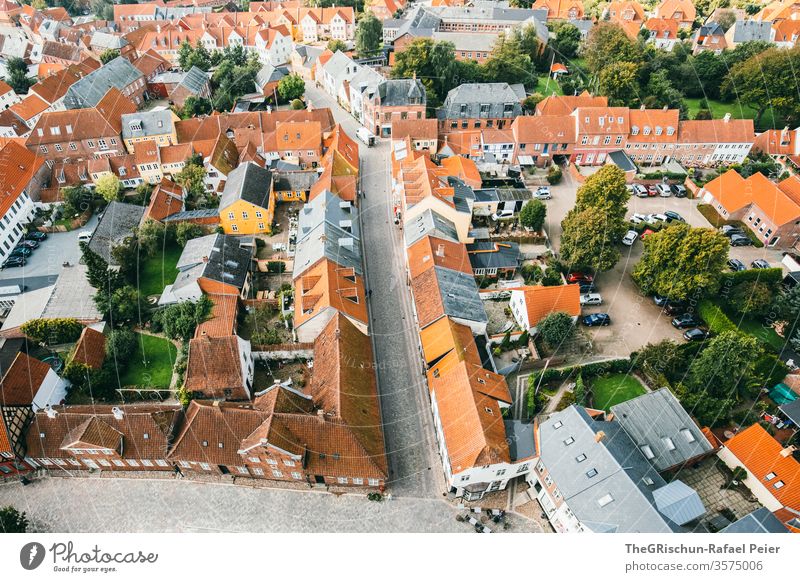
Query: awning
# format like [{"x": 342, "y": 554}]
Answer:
[
  {"x": 525, "y": 160},
  {"x": 791, "y": 411}
]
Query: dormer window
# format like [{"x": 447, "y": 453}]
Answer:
[
  {"x": 646, "y": 130},
  {"x": 670, "y": 130},
  {"x": 635, "y": 130},
  {"x": 659, "y": 130}
]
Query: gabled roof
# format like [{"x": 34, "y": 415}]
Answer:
[
  {"x": 401, "y": 92},
  {"x": 474, "y": 95},
  {"x": 541, "y": 301},
  {"x": 769, "y": 463},
  {"x": 760, "y": 520},
  {"x": 222, "y": 321},
  {"x": 493, "y": 255},
  {"x": 249, "y": 182},
  {"x": 716, "y": 131},
  {"x": 441, "y": 291},
  {"x": 217, "y": 257},
  {"x": 429, "y": 223},
  {"x": 167, "y": 199},
  {"x": 22, "y": 380},
  {"x": 327, "y": 284},
  {"x": 18, "y": 166},
  {"x": 117, "y": 73},
  {"x": 90, "y": 349},
  {"x": 430, "y": 252},
  {"x": 566, "y": 104},
  {"x": 29, "y": 107},
  {"x": 734, "y": 193},
  {"x": 682, "y": 10},
  {"x": 214, "y": 365},
  {"x": 118, "y": 222},
  {"x": 148, "y": 123}
]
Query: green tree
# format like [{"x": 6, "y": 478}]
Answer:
[
  {"x": 336, "y": 45},
  {"x": 13, "y": 520},
  {"x": 786, "y": 305},
  {"x": 702, "y": 76},
  {"x": 192, "y": 177},
  {"x": 588, "y": 239},
  {"x": 291, "y": 87},
  {"x": 17, "y": 75},
  {"x": 297, "y": 104},
  {"x": 580, "y": 391},
  {"x": 605, "y": 189},
  {"x": 186, "y": 231},
  {"x": 508, "y": 62},
  {"x": 568, "y": 40},
  {"x": 121, "y": 305},
  {"x": 108, "y": 55},
  {"x": 724, "y": 368},
  {"x": 556, "y": 328},
  {"x": 752, "y": 298},
  {"x": 151, "y": 236},
  {"x": 52, "y": 331},
  {"x": 103, "y": 9},
  {"x": 554, "y": 174},
  {"x": 120, "y": 344},
  {"x": 552, "y": 278},
  {"x": 665, "y": 357},
  {"x": 77, "y": 199},
  {"x": 661, "y": 93},
  {"x": 109, "y": 187},
  {"x": 195, "y": 106},
  {"x": 369, "y": 34},
  {"x": 97, "y": 272},
  {"x": 620, "y": 83},
  {"x": 680, "y": 260},
  {"x": 189, "y": 57},
  {"x": 532, "y": 215},
  {"x": 434, "y": 63},
  {"x": 143, "y": 193},
  {"x": 179, "y": 321},
  {"x": 531, "y": 101},
  {"x": 607, "y": 43}
]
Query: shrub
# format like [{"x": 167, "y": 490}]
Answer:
[
  {"x": 770, "y": 370},
  {"x": 556, "y": 328},
  {"x": 298, "y": 104},
  {"x": 12, "y": 520},
  {"x": 120, "y": 343},
  {"x": 532, "y": 215},
  {"x": 180, "y": 320},
  {"x": 531, "y": 273},
  {"x": 52, "y": 331},
  {"x": 554, "y": 174},
  {"x": 266, "y": 337},
  {"x": 552, "y": 278},
  {"x": 276, "y": 266},
  {"x": 714, "y": 317},
  {"x": 260, "y": 243}
]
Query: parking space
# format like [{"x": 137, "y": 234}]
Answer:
[{"x": 52, "y": 253}]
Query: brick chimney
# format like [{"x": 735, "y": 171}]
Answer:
[{"x": 599, "y": 436}]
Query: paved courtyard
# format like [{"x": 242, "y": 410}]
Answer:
[
  {"x": 708, "y": 480},
  {"x": 167, "y": 505}
]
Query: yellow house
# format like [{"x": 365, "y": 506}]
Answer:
[
  {"x": 247, "y": 205},
  {"x": 155, "y": 126},
  {"x": 148, "y": 162}
]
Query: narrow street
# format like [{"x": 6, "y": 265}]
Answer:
[{"x": 414, "y": 465}]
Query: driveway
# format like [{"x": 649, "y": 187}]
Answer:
[
  {"x": 169, "y": 505},
  {"x": 46, "y": 261}
]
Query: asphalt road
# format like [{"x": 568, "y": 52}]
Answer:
[{"x": 414, "y": 466}]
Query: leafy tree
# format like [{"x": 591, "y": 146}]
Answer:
[
  {"x": 605, "y": 189},
  {"x": 528, "y": 41},
  {"x": 194, "y": 106},
  {"x": 297, "y": 104},
  {"x": 588, "y": 239},
  {"x": 179, "y": 321},
  {"x": 724, "y": 368},
  {"x": 580, "y": 391},
  {"x": 103, "y": 9},
  {"x": 531, "y": 101},
  {"x": 151, "y": 236},
  {"x": 189, "y": 57},
  {"x": 702, "y": 76},
  {"x": 108, "y": 55},
  {"x": 554, "y": 174},
  {"x": 786, "y": 305},
  {"x": 665, "y": 357},
  {"x": 369, "y": 35},
  {"x": 77, "y": 199},
  {"x": 52, "y": 331},
  {"x": 109, "y": 187},
  {"x": 192, "y": 177},
  {"x": 680, "y": 260},
  {"x": 336, "y": 45},
  {"x": 97, "y": 271},
  {"x": 508, "y": 61},
  {"x": 552, "y": 278},
  {"x": 121, "y": 305},
  {"x": 186, "y": 231},
  {"x": 707, "y": 410},
  {"x": 661, "y": 93},
  {"x": 17, "y": 75},
  {"x": 12, "y": 520},
  {"x": 266, "y": 337},
  {"x": 607, "y": 43},
  {"x": 291, "y": 87},
  {"x": 434, "y": 63},
  {"x": 751, "y": 298},
  {"x": 120, "y": 343},
  {"x": 556, "y": 328},
  {"x": 620, "y": 83},
  {"x": 703, "y": 114},
  {"x": 568, "y": 40},
  {"x": 532, "y": 215},
  {"x": 143, "y": 193},
  {"x": 233, "y": 77}
]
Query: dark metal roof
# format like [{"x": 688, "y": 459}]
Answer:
[
  {"x": 490, "y": 255},
  {"x": 119, "y": 220},
  {"x": 249, "y": 182}
]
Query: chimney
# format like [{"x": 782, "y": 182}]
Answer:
[
  {"x": 787, "y": 452},
  {"x": 599, "y": 436},
  {"x": 205, "y": 259},
  {"x": 50, "y": 411},
  {"x": 118, "y": 413},
  {"x": 440, "y": 251},
  {"x": 727, "y": 118},
  {"x": 321, "y": 415}
]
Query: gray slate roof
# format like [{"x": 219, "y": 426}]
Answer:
[
  {"x": 294, "y": 181},
  {"x": 90, "y": 90},
  {"x": 249, "y": 182},
  {"x": 759, "y": 521},
  {"x": 228, "y": 260},
  {"x": 651, "y": 419},
  {"x": 792, "y": 411},
  {"x": 400, "y": 92},
  {"x": 327, "y": 207},
  {"x": 460, "y": 295},
  {"x": 711, "y": 29},
  {"x": 151, "y": 123},
  {"x": 473, "y": 95},
  {"x": 679, "y": 502},
  {"x": 192, "y": 214},
  {"x": 119, "y": 220},
  {"x": 270, "y": 74},
  {"x": 622, "y": 160},
  {"x": 429, "y": 223},
  {"x": 195, "y": 80},
  {"x": 108, "y": 41},
  {"x": 505, "y": 256},
  {"x": 749, "y": 30},
  {"x": 613, "y": 471},
  {"x": 584, "y": 25},
  {"x": 521, "y": 443}
]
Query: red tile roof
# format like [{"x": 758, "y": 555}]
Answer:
[
  {"x": 18, "y": 166},
  {"x": 22, "y": 380},
  {"x": 541, "y": 301},
  {"x": 90, "y": 349}
]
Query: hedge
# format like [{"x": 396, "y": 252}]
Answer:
[
  {"x": 714, "y": 317},
  {"x": 773, "y": 276},
  {"x": 53, "y": 331},
  {"x": 587, "y": 371}
]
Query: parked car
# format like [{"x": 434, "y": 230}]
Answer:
[
  {"x": 675, "y": 307},
  {"x": 652, "y": 190},
  {"x": 760, "y": 264},
  {"x": 647, "y": 232},
  {"x": 695, "y": 334},
  {"x": 730, "y": 230},
  {"x": 28, "y": 244},
  {"x": 736, "y": 265},
  {"x": 13, "y": 262},
  {"x": 638, "y": 218},
  {"x": 36, "y": 235},
  {"x": 587, "y": 287},
  {"x": 678, "y": 190},
  {"x": 543, "y": 193},
  {"x": 664, "y": 190},
  {"x": 739, "y": 240},
  {"x": 577, "y": 277},
  {"x": 503, "y": 214},
  {"x": 591, "y": 299},
  {"x": 594, "y": 319},
  {"x": 85, "y": 236},
  {"x": 686, "y": 320},
  {"x": 660, "y": 300},
  {"x": 651, "y": 219},
  {"x": 21, "y": 252},
  {"x": 673, "y": 216},
  {"x": 630, "y": 238},
  {"x": 640, "y": 191}
]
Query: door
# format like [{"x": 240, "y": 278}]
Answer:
[
  {"x": 319, "y": 479},
  {"x": 224, "y": 470}
]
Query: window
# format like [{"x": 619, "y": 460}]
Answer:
[
  {"x": 501, "y": 472},
  {"x": 557, "y": 494},
  {"x": 145, "y": 462},
  {"x": 296, "y": 475},
  {"x": 72, "y": 146},
  {"x": 647, "y": 481},
  {"x": 778, "y": 484},
  {"x": 272, "y": 462},
  {"x": 607, "y": 140},
  {"x": 242, "y": 470},
  {"x": 133, "y": 463},
  {"x": 258, "y": 471},
  {"x": 687, "y": 434},
  {"x": 647, "y": 451},
  {"x": 770, "y": 476},
  {"x": 230, "y": 215},
  {"x": 548, "y": 481},
  {"x": 161, "y": 463},
  {"x": 605, "y": 500},
  {"x": 618, "y": 140},
  {"x": 569, "y": 440},
  {"x": 580, "y": 458},
  {"x": 234, "y": 228},
  {"x": 276, "y": 473},
  {"x": 540, "y": 467},
  {"x": 669, "y": 443},
  {"x": 185, "y": 464},
  {"x": 244, "y": 215},
  {"x": 558, "y": 424},
  {"x": 259, "y": 214},
  {"x": 288, "y": 463},
  {"x": 260, "y": 226},
  {"x": 591, "y": 473},
  {"x": 584, "y": 140},
  {"x": 118, "y": 463},
  {"x": 90, "y": 143},
  {"x": 43, "y": 149},
  {"x": 374, "y": 482},
  {"x": 342, "y": 480}
]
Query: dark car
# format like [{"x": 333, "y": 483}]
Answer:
[
  {"x": 577, "y": 277},
  {"x": 13, "y": 262},
  {"x": 686, "y": 320},
  {"x": 673, "y": 216},
  {"x": 675, "y": 307},
  {"x": 36, "y": 235},
  {"x": 21, "y": 252},
  {"x": 678, "y": 190},
  {"x": 28, "y": 244},
  {"x": 587, "y": 287},
  {"x": 695, "y": 335},
  {"x": 736, "y": 265},
  {"x": 594, "y": 319},
  {"x": 739, "y": 240},
  {"x": 760, "y": 264},
  {"x": 730, "y": 230}
]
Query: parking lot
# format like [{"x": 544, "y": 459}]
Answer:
[
  {"x": 635, "y": 319},
  {"x": 51, "y": 254}
]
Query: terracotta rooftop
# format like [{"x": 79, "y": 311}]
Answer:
[
  {"x": 90, "y": 349},
  {"x": 22, "y": 380},
  {"x": 542, "y": 301}
]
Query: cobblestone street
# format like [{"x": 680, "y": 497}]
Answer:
[{"x": 165, "y": 505}]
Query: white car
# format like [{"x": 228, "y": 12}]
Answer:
[
  {"x": 503, "y": 214},
  {"x": 591, "y": 299},
  {"x": 640, "y": 191},
  {"x": 542, "y": 193},
  {"x": 663, "y": 190},
  {"x": 637, "y": 218},
  {"x": 630, "y": 238},
  {"x": 85, "y": 236},
  {"x": 655, "y": 218}
]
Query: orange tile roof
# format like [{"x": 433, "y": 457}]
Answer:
[
  {"x": 430, "y": 252},
  {"x": 603, "y": 120},
  {"x": 18, "y": 166},
  {"x": 560, "y": 9},
  {"x": 326, "y": 284},
  {"x": 445, "y": 336},
  {"x": 22, "y": 380},
  {"x": 566, "y": 104},
  {"x": 791, "y": 187},
  {"x": 777, "y": 142},
  {"x": 222, "y": 320},
  {"x": 543, "y": 129},
  {"x": 682, "y": 10},
  {"x": 761, "y": 455},
  {"x": 292, "y": 135},
  {"x": 422, "y": 178},
  {"x": 541, "y": 301},
  {"x": 4, "y": 87},
  {"x": 735, "y": 193},
  {"x": 54, "y": 86},
  {"x": 463, "y": 168},
  {"x": 29, "y": 107},
  {"x": 728, "y": 190},
  {"x": 167, "y": 199},
  {"x": 665, "y": 28},
  {"x": 90, "y": 349},
  {"x": 654, "y": 125},
  {"x": 624, "y": 11},
  {"x": 463, "y": 143},
  {"x": 415, "y": 129},
  {"x": 343, "y": 152},
  {"x": 716, "y": 131}
]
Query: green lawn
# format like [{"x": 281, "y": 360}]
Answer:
[
  {"x": 760, "y": 331},
  {"x": 719, "y": 109},
  {"x": 151, "y": 364},
  {"x": 158, "y": 271},
  {"x": 613, "y": 389},
  {"x": 546, "y": 86},
  {"x": 719, "y": 320}
]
